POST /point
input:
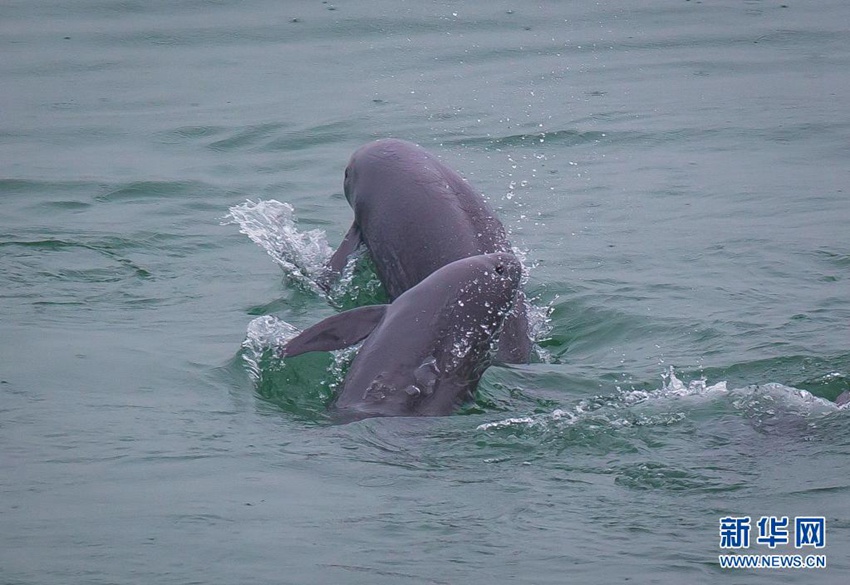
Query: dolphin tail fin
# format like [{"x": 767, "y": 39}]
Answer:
[
  {"x": 337, "y": 332},
  {"x": 350, "y": 243}
]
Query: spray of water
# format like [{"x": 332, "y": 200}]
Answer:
[
  {"x": 271, "y": 225},
  {"x": 263, "y": 335}
]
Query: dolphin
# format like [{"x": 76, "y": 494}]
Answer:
[
  {"x": 424, "y": 353},
  {"x": 415, "y": 215}
]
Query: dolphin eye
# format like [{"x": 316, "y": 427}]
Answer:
[{"x": 500, "y": 269}]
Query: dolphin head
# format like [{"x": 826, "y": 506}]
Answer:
[{"x": 377, "y": 162}]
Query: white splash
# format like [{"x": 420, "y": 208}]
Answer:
[
  {"x": 264, "y": 334},
  {"x": 670, "y": 403},
  {"x": 673, "y": 387},
  {"x": 271, "y": 225},
  {"x": 342, "y": 358}
]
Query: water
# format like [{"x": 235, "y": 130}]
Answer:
[{"x": 675, "y": 171}]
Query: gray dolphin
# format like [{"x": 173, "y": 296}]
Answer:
[
  {"x": 416, "y": 215},
  {"x": 424, "y": 354}
]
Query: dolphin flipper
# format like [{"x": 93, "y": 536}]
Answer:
[
  {"x": 349, "y": 245},
  {"x": 336, "y": 332},
  {"x": 515, "y": 345}
]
